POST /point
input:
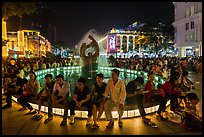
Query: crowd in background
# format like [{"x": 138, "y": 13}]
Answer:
[
  {"x": 160, "y": 66},
  {"x": 173, "y": 69}
]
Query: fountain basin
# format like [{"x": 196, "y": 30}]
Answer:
[{"x": 71, "y": 75}]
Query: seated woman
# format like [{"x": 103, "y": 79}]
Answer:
[{"x": 30, "y": 89}]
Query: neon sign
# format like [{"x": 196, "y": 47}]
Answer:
[{"x": 112, "y": 42}]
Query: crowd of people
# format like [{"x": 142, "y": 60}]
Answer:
[{"x": 103, "y": 97}]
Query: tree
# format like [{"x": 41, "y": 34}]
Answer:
[
  {"x": 8, "y": 9},
  {"x": 142, "y": 40},
  {"x": 17, "y": 9}
]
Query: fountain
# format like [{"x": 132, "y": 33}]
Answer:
[{"x": 91, "y": 64}]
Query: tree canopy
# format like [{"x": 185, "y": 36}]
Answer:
[{"x": 17, "y": 9}]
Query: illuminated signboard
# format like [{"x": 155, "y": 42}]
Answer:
[{"x": 112, "y": 43}]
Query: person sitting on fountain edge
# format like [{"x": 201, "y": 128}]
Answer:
[
  {"x": 135, "y": 96},
  {"x": 81, "y": 97},
  {"x": 60, "y": 94},
  {"x": 115, "y": 96},
  {"x": 98, "y": 103}
]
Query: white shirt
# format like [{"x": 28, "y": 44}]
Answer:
[
  {"x": 117, "y": 91},
  {"x": 62, "y": 90}
]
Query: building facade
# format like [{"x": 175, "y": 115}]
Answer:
[
  {"x": 188, "y": 28},
  {"x": 26, "y": 43},
  {"x": 127, "y": 43}
]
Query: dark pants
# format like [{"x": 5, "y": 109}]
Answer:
[
  {"x": 88, "y": 104},
  {"x": 173, "y": 101},
  {"x": 65, "y": 105},
  {"x": 49, "y": 101},
  {"x": 162, "y": 102},
  {"x": 138, "y": 100},
  {"x": 24, "y": 101},
  {"x": 9, "y": 94}
]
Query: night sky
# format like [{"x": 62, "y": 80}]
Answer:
[{"x": 74, "y": 19}]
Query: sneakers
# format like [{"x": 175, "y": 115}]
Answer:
[
  {"x": 72, "y": 119},
  {"x": 63, "y": 123},
  {"x": 34, "y": 117},
  {"x": 39, "y": 117},
  {"x": 110, "y": 124},
  {"x": 95, "y": 126},
  {"x": 31, "y": 112},
  {"x": 89, "y": 121},
  {"x": 48, "y": 119}
]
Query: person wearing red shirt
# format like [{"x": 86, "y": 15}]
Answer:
[
  {"x": 172, "y": 92},
  {"x": 149, "y": 86},
  {"x": 155, "y": 95}
]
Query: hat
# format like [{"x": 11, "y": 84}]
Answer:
[{"x": 116, "y": 71}]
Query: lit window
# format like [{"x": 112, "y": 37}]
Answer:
[
  {"x": 187, "y": 12},
  {"x": 192, "y": 10}
]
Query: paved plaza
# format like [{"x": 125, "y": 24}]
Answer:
[{"x": 17, "y": 123}]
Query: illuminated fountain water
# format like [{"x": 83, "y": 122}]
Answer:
[{"x": 90, "y": 58}]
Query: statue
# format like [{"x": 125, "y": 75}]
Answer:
[
  {"x": 90, "y": 58},
  {"x": 89, "y": 65}
]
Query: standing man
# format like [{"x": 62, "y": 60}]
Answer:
[
  {"x": 117, "y": 94},
  {"x": 60, "y": 94}
]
